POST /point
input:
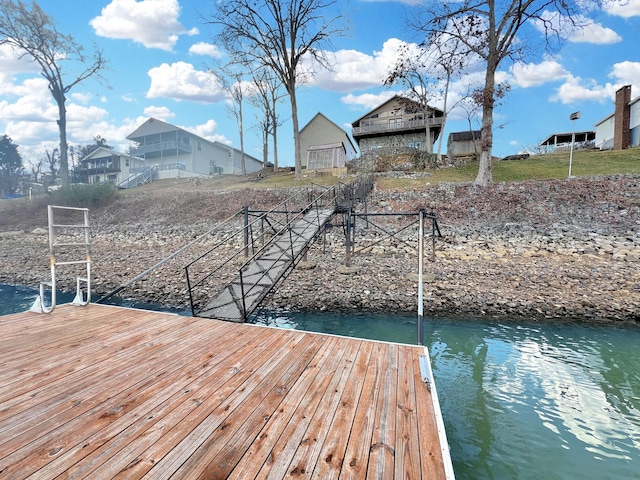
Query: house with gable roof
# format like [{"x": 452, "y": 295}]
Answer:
[
  {"x": 324, "y": 145},
  {"x": 397, "y": 124},
  {"x": 105, "y": 165},
  {"x": 178, "y": 152}
]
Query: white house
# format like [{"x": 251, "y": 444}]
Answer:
[
  {"x": 620, "y": 129},
  {"x": 104, "y": 165},
  {"x": 324, "y": 145},
  {"x": 176, "y": 152}
]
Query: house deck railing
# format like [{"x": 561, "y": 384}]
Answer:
[
  {"x": 386, "y": 127},
  {"x": 160, "y": 146}
]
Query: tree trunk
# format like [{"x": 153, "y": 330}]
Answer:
[
  {"x": 296, "y": 133},
  {"x": 275, "y": 136},
  {"x": 444, "y": 118},
  {"x": 241, "y": 125},
  {"x": 62, "y": 128},
  {"x": 485, "y": 176}
]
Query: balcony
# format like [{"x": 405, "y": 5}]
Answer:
[
  {"x": 157, "y": 147},
  {"x": 372, "y": 129}
]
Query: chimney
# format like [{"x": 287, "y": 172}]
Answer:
[{"x": 622, "y": 120}]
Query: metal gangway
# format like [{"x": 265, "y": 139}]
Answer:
[
  {"x": 68, "y": 240},
  {"x": 271, "y": 262}
]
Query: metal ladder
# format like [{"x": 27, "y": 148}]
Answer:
[{"x": 54, "y": 246}]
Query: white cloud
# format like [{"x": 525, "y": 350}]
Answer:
[
  {"x": 208, "y": 130},
  {"x": 533, "y": 75},
  {"x": 578, "y": 29},
  {"x": 353, "y": 70},
  {"x": 161, "y": 113},
  {"x": 576, "y": 89},
  {"x": 207, "y": 49},
  {"x": 367, "y": 101},
  {"x": 152, "y": 23},
  {"x": 627, "y": 73},
  {"x": 82, "y": 97},
  {"x": 181, "y": 81},
  {"x": 623, "y": 8}
]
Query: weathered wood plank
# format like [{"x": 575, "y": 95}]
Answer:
[
  {"x": 431, "y": 459},
  {"x": 382, "y": 453},
  {"x": 356, "y": 457},
  {"x": 298, "y": 405},
  {"x": 407, "y": 461},
  {"x": 106, "y": 392}
]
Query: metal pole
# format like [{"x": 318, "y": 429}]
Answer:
[
  {"x": 245, "y": 211},
  {"x": 573, "y": 137},
  {"x": 420, "y": 279},
  {"x": 573, "y": 117},
  {"x": 348, "y": 238}
]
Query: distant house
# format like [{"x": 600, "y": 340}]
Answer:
[
  {"x": 559, "y": 141},
  {"x": 104, "y": 165},
  {"x": 620, "y": 129},
  {"x": 463, "y": 144},
  {"x": 177, "y": 152},
  {"x": 324, "y": 145},
  {"x": 398, "y": 123}
]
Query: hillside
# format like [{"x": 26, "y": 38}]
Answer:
[{"x": 536, "y": 249}]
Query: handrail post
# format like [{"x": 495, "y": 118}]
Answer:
[
  {"x": 348, "y": 237},
  {"x": 245, "y": 212},
  {"x": 420, "y": 278},
  {"x": 193, "y": 311}
]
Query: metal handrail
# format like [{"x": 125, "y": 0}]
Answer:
[
  {"x": 248, "y": 226},
  {"x": 290, "y": 253}
]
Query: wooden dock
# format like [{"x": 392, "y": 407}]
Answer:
[{"x": 105, "y": 392}]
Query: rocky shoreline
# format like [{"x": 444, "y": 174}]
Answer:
[{"x": 537, "y": 250}]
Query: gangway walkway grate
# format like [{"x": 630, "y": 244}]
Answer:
[
  {"x": 306, "y": 215},
  {"x": 258, "y": 276}
]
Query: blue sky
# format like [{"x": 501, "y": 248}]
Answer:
[{"x": 159, "y": 52}]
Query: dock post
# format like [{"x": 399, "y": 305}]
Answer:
[{"x": 420, "y": 279}]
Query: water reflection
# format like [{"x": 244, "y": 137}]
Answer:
[{"x": 550, "y": 401}]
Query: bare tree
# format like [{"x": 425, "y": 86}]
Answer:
[
  {"x": 266, "y": 98},
  {"x": 36, "y": 168},
  {"x": 52, "y": 160},
  {"x": 230, "y": 79},
  {"x": 426, "y": 73},
  {"x": 489, "y": 30},
  {"x": 32, "y": 33},
  {"x": 278, "y": 35}
]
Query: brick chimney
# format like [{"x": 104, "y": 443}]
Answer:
[{"x": 622, "y": 120}]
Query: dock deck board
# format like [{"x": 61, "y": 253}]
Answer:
[{"x": 108, "y": 392}]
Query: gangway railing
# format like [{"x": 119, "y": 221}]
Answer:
[
  {"x": 255, "y": 237},
  {"x": 79, "y": 239},
  {"x": 273, "y": 252}
]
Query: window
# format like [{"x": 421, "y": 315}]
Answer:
[
  {"x": 199, "y": 146},
  {"x": 395, "y": 123},
  {"x": 320, "y": 159}
]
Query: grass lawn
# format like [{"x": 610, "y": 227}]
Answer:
[{"x": 585, "y": 163}]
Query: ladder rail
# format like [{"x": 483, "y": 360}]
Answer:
[{"x": 82, "y": 298}]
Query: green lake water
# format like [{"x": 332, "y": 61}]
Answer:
[{"x": 520, "y": 400}]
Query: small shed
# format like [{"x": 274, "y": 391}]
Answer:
[{"x": 462, "y": 144}]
